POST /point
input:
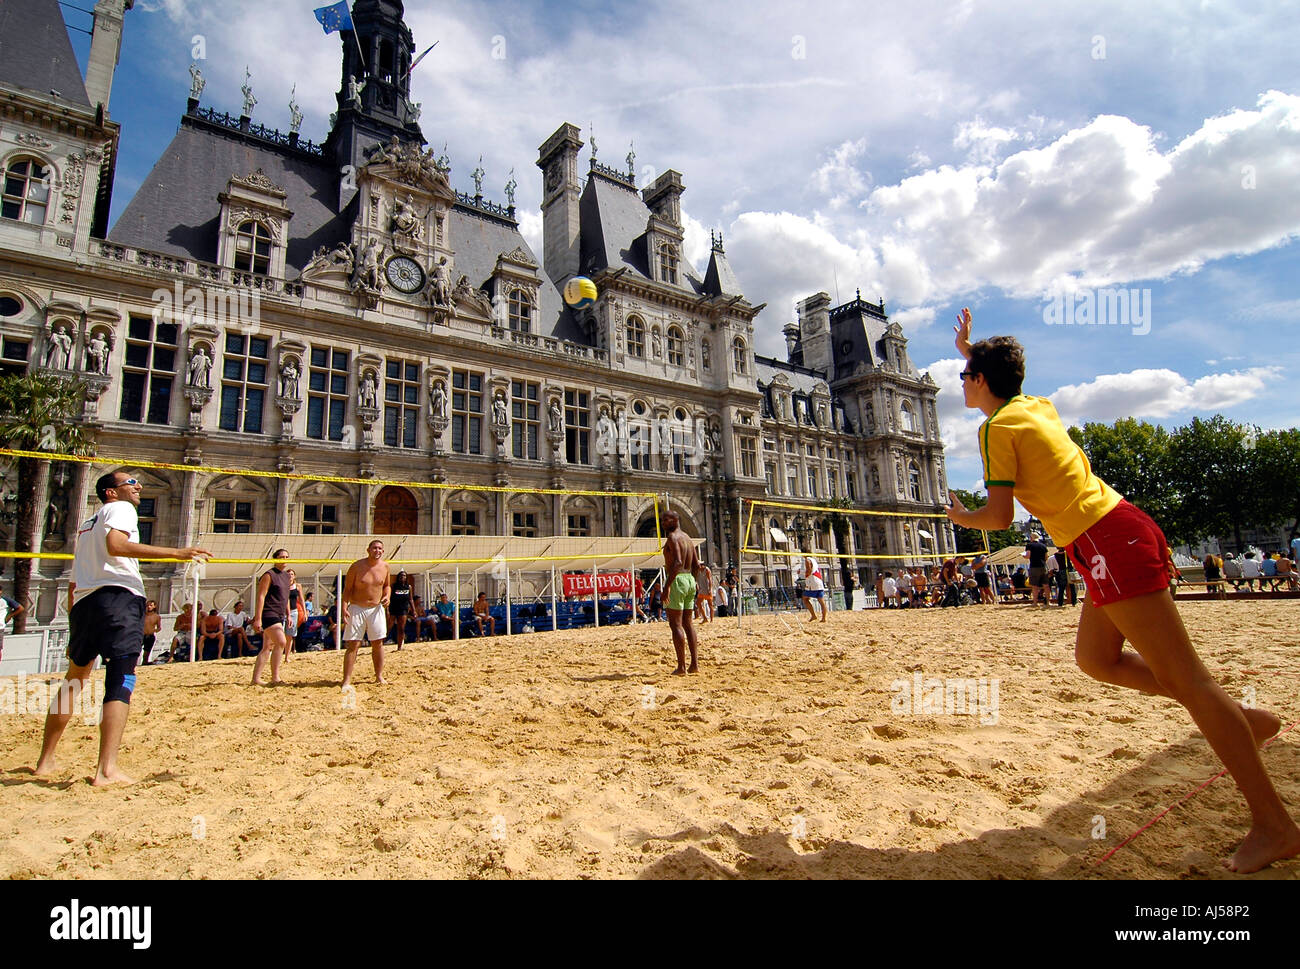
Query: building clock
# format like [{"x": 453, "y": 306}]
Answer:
[{"x": 405, "y": 274}]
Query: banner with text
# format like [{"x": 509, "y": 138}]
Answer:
[{"x": 580, "y": 584}]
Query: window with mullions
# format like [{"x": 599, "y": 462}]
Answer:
[
  {"x": 13, "y": 359},
  {"x": 683, "y": 436},
  {"x": 579, "y": 526},
  {"x": 243, "y": 382},
  {"x": 526, "y": 411},
  {"x": 147, "y": 512},
  {"x": 466, "y": 412},
  {"x": 401, "y": 403},
  {"x": 320, "y": 519},
  {"x": 232, "y": 517},
  {"x": 676, "y": 346},
  {"x": 148, "y": 372},
  {"x": 464, "y": 521},
  {"x": 668, "y": 264},
  {"x": 524, "y": 524},
  {"x": 748, "y": 456},
  {"x": 636, "y": 337},
  {"x": 27, "y": 192},
  {"x": 253, "y": 248},
  {"x": 914, "y": 481},
  {"x": 577, "y": 426},
  {"x": 327, "y": 394},
  {"x": 521, "y": 311},
  {"x": 812, "y": 483},
  {"x": 738, "y": 353}
]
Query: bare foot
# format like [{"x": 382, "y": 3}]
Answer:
[
  {"x": 277, "y": 683},
  {"x": 116, "y": 777},
  {"x": 1261, "y": 848},
  {"x": 692, "y": 668},
  {"x": 679, "y": 672},
  {"x": 381, "y": 681},
  {"x": 46, "y": 768},
  {"x": 1263, "y": 725}
]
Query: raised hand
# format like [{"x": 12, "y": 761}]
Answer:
[{"x": 962, "y": 329}]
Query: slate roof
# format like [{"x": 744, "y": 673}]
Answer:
[
  {"x": 176, "y": 210},
  {"x": 719, "y": 280},
  {"x": 36, "y": 53}
]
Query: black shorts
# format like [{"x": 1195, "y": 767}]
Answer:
[
  {"x": 108, "y": 623},
  {"x": 982, "y": 579}
]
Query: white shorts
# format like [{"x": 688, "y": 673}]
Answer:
[{"x": 369, "y": 623}]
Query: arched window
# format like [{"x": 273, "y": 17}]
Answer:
[
  {"x": 908, "y": 418},
  {"x": 26, "y": 191},
  {"x": 668, "y": 264},
  {"x": 738, "y": 355},
  {"x": 636, "y": 337},
  {"x": 521, "y": 311},
  {"x": 914, "y": 481},
  {"x": 676, "y": 340},
  {"x": 253, "y": 248}
]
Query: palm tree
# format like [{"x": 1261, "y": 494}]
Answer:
[{"x": 38, "y": 412}]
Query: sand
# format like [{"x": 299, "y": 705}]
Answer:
[{"x": 576, "y": 755}]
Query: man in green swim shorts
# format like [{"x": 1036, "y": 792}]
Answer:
[{"x": 680, "y": 565}]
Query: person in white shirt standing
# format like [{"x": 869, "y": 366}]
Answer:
[
  {"x": 814, "y": 588},
  {"x": 107, "y": 619}
]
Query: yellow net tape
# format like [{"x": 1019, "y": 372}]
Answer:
[{"x": 835, "y": 510}]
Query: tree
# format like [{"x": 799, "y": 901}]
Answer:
[
  {"x": 972, "y": 541},
  {"x": 1210, "y": 472},
  {"x": 1133, "y": 458},
  {"x": 1274, "y": 485},
  {"x": 38, "y": 412}
]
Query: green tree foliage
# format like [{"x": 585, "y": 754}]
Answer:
[
  {"x": 1132, "y": 457},
  {"x": 1209, "y": 472},
  {"x": 38, "y": 412}
]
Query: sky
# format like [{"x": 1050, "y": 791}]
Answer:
[{"x": 1030, "y": 160}]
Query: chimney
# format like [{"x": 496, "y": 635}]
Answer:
[
  {"x": 815, "y": 332},
  {"x": 791, "y": 331},
  {"x": 105, "y": 50},
  {"x": 561, "y": 245},
  {"x": 664, "y": 197}
]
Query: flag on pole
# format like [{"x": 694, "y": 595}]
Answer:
[{"x": 336, "y": 17}]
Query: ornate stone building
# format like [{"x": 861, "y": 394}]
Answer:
[{"x": 270, "y": 303}]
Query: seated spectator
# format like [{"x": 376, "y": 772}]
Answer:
[
  {"x": 483, "y": 611},
  {"x": 656, "y": 605},
  {"x": 212, "y": 633},
  {"x": 1250, "y": 571},
  {"x": 309, "y": 605},
  {"x": 1267, "y": 571},
  {"x": 181, "y": 629},
  {"x": 1286, "y": 572},
  {"x": 1232, "y": 570},
  {"x": 890, "y": 590},
  {"x": 1020, "y": 581},
  {"x": 236, "y": 636},
  {"x": 445, "y": 615},
  {"x": 1212, "y": 574}
]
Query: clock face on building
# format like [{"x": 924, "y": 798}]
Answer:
[{"x": 405, "y": 274}]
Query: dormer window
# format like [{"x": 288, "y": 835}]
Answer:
[
  {"x": 521, "y": 311},
  {"x": 253, "y": 248},
  {"x": 26, "y": 191},
  {"x": 668, "y": 264}
]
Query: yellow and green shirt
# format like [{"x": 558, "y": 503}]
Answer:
[{"x": 1024, "y": 446}]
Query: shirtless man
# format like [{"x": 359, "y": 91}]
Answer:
[
  {"x": 366, "y": 592},
  {"x": 681, "y": 562}
]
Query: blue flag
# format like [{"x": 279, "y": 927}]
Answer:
[{"x": 337, "y": 17}]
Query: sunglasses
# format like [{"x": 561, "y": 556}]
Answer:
[
  {"x": 127, "y": 482},
  {"x": 967, "y": 375}
]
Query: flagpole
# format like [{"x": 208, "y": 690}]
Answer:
[{"x": 357, "y": 41}]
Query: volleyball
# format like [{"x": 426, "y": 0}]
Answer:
[{"x": 579, "y": 292}]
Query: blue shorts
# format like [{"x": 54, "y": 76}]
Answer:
[{"x": 813, "y": 594}]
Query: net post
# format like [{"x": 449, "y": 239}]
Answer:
[
  {"x": 595, "y": 591},
  {"x": 509, "y": 625},
  {"x": 631, "y": 594},
  {"x": 338, "y": 610},
  {"x": 555, "y": 616},
  {"x": 739, "y": 596},
  {"x": 455, "y": 601},
  {"x": 194, "y": 622}
]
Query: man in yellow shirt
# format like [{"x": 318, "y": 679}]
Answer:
[{"x": 1123, "y": 558}]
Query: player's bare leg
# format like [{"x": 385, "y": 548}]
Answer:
[
  {"x": 110, "y": 739},
  {"x": 1099, "y": 652},
  {"x": 60, "y": 712},
  {"x": 350, "y": 660},
  {"x": 377, "y": 655},
  {"x": 676, "y": 619},
  {"x": 1152, "y": 624}
]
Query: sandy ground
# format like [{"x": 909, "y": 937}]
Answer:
[{"x": 576, "y": 755}]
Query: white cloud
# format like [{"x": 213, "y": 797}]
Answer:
[
  {"x": 839, "y": 178},
  {"x": 1159, "y": 394}
]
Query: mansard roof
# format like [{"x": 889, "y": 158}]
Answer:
[
  {"x": 36, "y": 53},
  {"x": 613, "y": 224},
  {"x": 176, "y": 210}
]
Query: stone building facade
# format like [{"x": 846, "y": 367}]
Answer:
[{"x": 341, "y": 309}]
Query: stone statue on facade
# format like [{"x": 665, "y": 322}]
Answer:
[
  {"x": 250, "y": 102},
  {"x": 289, "y": 379},
  {"x": 97, "y": 350},
  {"x": 367, "y": 277},
  {"x": 340, "y": 258},
  {"x": 555, "y": 418},
  {"x": 500, "y": 415},
  {"x": 369, "y": 397},
  {"x": 200, "y": 369},
  {"x": 466, "y": 293},
  {"x": 438, "y": 401},
  {"x": 408, "y": 226},
  {"x": 295, "y": 112},
  {"x": 197, "y": 83},
  {"x": 440, "y": 286},
  {"x": 58, "y": 352},
  {"x": 478, "y": 175},
  {"x": 511, "y": 186},
  {"x": 354, "y": 93}
]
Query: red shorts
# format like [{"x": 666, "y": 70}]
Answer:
[{"x": 1123, "y": 556}]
